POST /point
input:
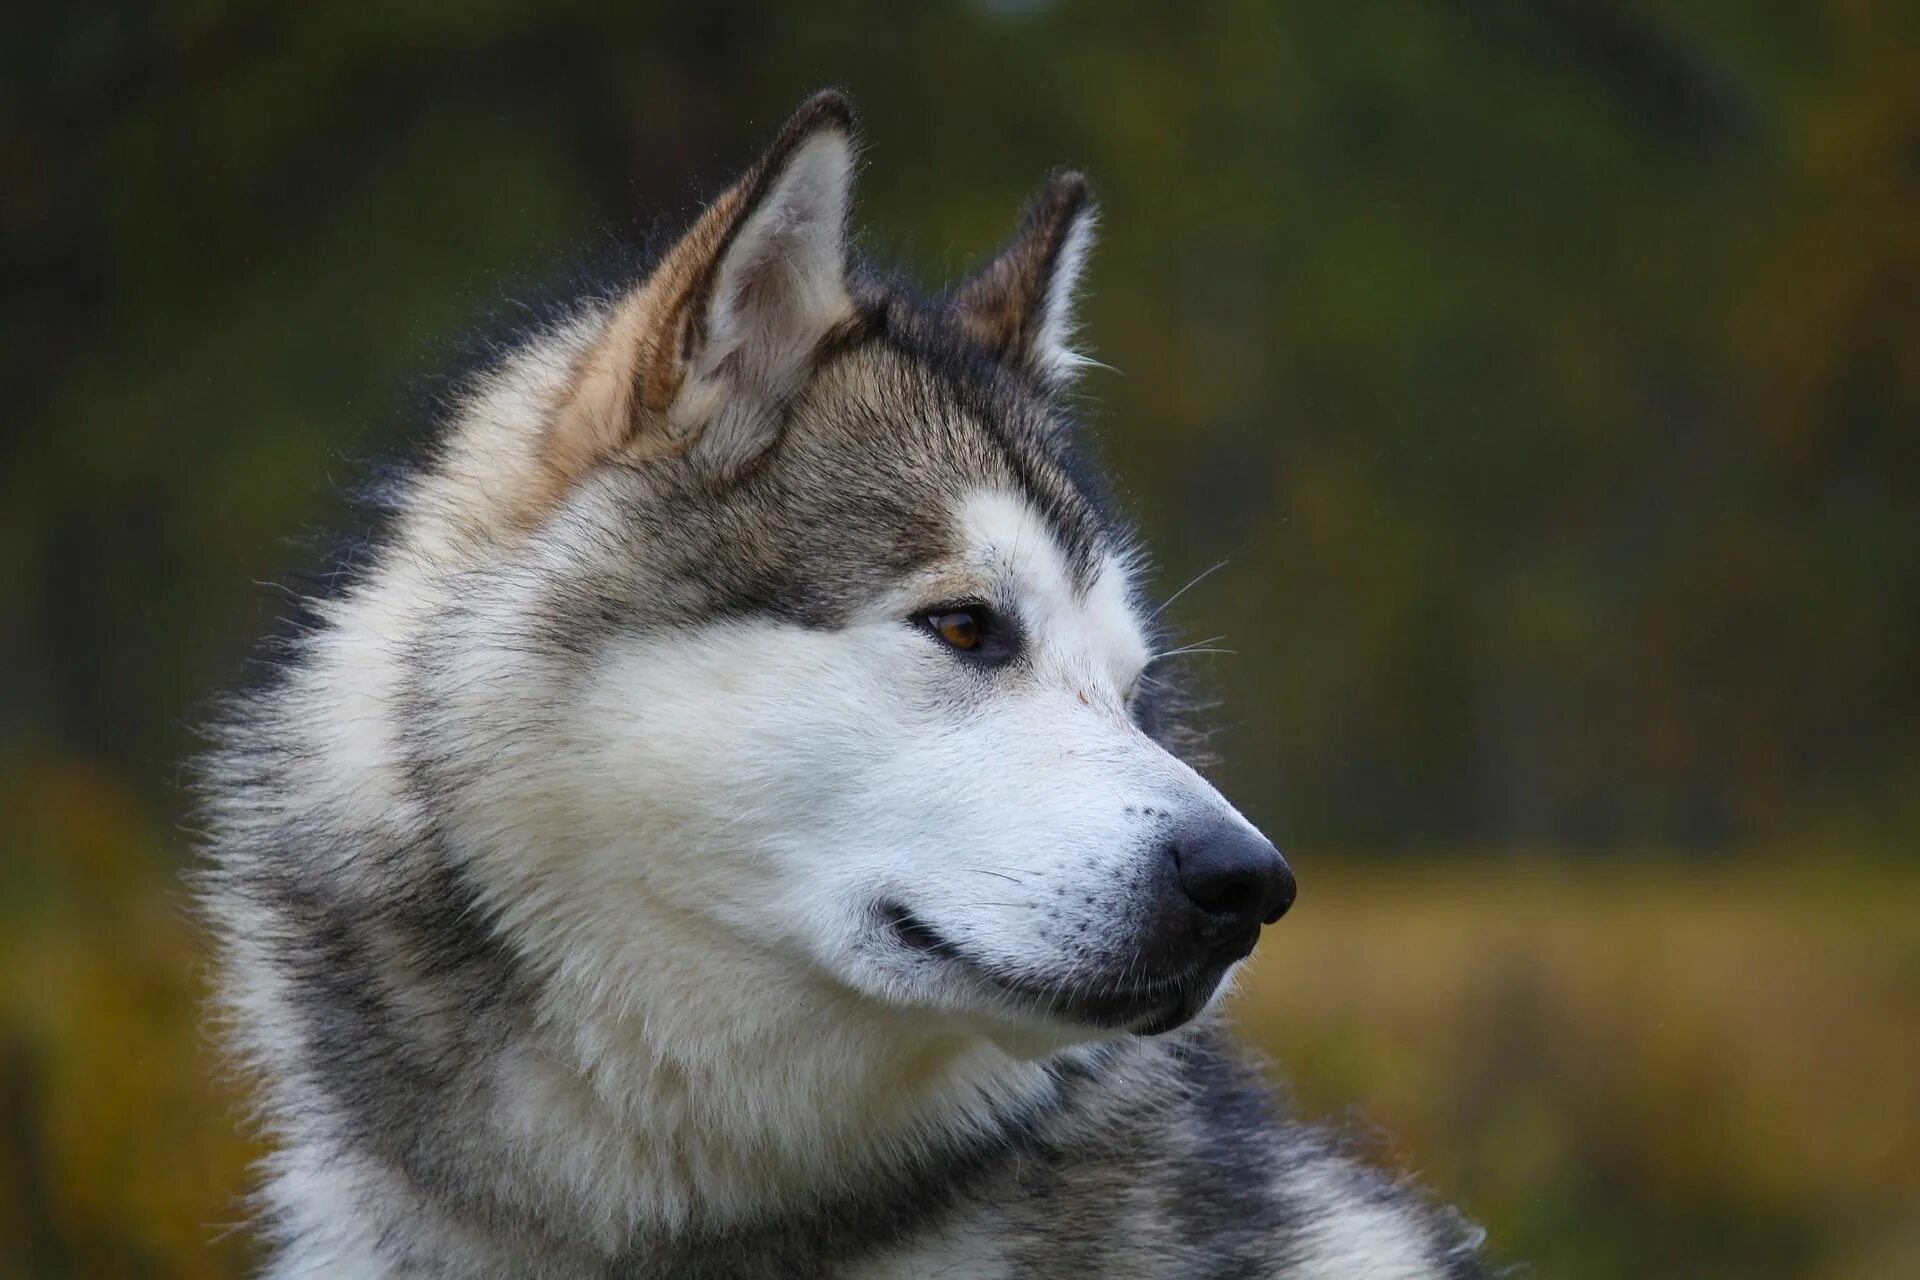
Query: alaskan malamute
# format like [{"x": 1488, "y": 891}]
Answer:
[{"x": 734, "y": 824}]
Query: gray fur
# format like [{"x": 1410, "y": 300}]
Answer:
[{"x": 379, "y": 988}]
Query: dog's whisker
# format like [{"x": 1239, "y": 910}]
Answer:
[
  {"x": 1198, "y": 646},
  {"x": 1190, "y": 651},
  {"x": 1192, "y": 582},
  {"x": 988, "y": 871}
]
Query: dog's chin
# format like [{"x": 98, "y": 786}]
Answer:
[{"x": 1086, "y": 1005}]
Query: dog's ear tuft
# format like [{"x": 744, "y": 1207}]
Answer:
[
  {"x": 773, "y": 289},
  {"x": 703, "y": 357},
  {"x": 1021, "y": 306}
]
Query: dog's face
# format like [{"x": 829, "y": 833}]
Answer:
[{"x": 861, "y": 674}]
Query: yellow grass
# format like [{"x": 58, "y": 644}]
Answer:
[{"x": 1623, "y": 1067}]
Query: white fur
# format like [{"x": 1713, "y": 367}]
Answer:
[
  {"x": 1054, "y": 352},
  {"x": 778, "y": 290},
  {"x": 685, "y": 835},
  {"x": 713, "y": 812},
  {"x": 716, "y": 811},
  {"x": 1349, "y": 1238}
]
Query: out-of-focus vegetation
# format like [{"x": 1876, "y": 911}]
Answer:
[
  {"x": 1547, "y": 372},
  {"x": 1629, "y": 1068},
  {"x": 121, "y": 1147}
]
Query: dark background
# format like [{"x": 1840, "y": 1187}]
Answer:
[{"x": 1547, "y": 375}]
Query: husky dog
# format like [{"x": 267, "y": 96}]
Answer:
[{"x": 732, "y": 825}]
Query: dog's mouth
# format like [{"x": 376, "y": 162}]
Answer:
[
  {"x": 910, "y": 932},
  {"x": 1151, "y": 1007}
]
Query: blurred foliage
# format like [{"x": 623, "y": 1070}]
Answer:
[
  {"x": 121, "y": 1147},
  {"x": 1545, "y": 371}
]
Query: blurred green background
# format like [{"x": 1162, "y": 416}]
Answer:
[{"x": 1546, "y": 372}]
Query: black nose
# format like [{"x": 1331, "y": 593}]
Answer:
[{"x": 1233, "y": 874}]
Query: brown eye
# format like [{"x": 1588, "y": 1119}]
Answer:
[
  {"x": 972, "y": 629},
  {"x": 961, "y": 630}
]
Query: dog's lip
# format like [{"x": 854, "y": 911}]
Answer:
[
  {"x": 910, "y": 930},
  {"x": 1147, "y": 1008}
]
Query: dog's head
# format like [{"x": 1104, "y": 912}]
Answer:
[{"x": 817, "y": 641}]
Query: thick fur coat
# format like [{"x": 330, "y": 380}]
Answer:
[{"x": 733, "y": 824}]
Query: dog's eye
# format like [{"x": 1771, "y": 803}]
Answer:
[
  {"x": 971, "y": 629},
  {"x": 961, "y": 630}
]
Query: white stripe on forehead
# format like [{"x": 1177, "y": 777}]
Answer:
[{"x": 1013, "y": 547}]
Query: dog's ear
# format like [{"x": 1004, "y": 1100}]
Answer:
[
  {"x": 1021, "y": 305},
  {"x": 702, "y": 358}
]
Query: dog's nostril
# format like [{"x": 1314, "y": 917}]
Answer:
[
  {"x": 1233, "y": 893},
  {"x": 1233, "y": 874}
]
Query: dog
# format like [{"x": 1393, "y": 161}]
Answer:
[{"x": 734, "y": 823}]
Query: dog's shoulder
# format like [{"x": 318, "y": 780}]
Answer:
[{"x": 1175, "y": 1156}]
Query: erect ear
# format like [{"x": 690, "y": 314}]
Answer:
[
  {"x": 703, "y": 357},
  {"x": 1021, "y": 305}
]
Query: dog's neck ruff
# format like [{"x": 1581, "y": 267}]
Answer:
[{"x": 775, "y": 1090}]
